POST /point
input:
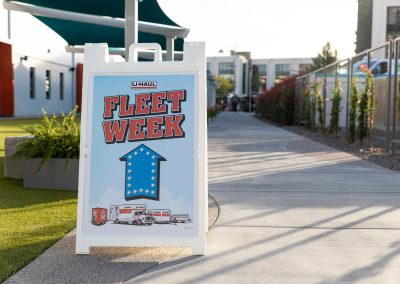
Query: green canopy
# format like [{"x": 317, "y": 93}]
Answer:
[{"x": 77, "y": 33}]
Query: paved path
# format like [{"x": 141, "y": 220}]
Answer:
[{"x": 292, "y": 211}]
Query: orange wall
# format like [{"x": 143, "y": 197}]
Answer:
[{"x": 6, "y": 80}]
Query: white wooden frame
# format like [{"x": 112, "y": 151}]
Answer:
[{"x": 96, "y": 62}]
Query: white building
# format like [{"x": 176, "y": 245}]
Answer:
[
  {"x": 385, "y": 21},
  {"x": 234, "y": 67},
  {"x": 237, "y": 68},
  {"x": 271, "y": 69},
  {"x": 43, "y": 72}
]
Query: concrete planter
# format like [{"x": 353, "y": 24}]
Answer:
[
  {"x": 53, "y": 174},
  {"x": 13, "y": 167}
]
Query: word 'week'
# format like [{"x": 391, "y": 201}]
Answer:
[{"x": 156, "y": 125}]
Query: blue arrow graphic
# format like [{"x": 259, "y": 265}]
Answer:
[{"x": 142, "y": 173}]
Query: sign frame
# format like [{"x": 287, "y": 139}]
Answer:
[{"x": 96, "y": 62}]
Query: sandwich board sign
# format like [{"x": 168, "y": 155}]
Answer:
[{"x": 142, "y": 170}]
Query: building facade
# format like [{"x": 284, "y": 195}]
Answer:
[
  {"x": 238, "y": 69},
  {"x": 378, "y": 22},
  {"x": 43, "y": 72}
]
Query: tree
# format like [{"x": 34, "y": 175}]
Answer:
[
  {"x": 326, "y": 57},
  {"x": 224, "y": 86},
  {"x": 255, "y": 79}
]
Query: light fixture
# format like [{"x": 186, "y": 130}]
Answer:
[{"x": 23, "y": 58}]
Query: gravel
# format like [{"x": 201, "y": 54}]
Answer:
[{"x": 372, "y": 150}]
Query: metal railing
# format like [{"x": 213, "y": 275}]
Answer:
[{"x": 380, "y": 61}]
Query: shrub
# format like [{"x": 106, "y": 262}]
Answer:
[
  {"x": 307, "y": 108},
  {"x": 212, "y": 112},
  {"x": 277, "y": 104},
  {"x": 366, "y": 106},
  {"x": 353, "y": 108},
  {"x": 53, "y": 138},
  {"x": 311, "y": 107},
  {"x": 319, "y": 101},
  {"x": 335, "y": 109}
]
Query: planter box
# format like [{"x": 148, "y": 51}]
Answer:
[
  {"x": 52, "y": 175},
  {"x": 13, "y": 167}
]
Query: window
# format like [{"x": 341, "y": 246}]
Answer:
[
  {"x": 61, "y": 86},
  {"x": 282, "y": 70},
  {"x": 32, "y": 82},
  {"x": 225, "y": 68},
  {"x": 47, "y": 85},
  {"x": 262, "y": 70},
  {"x": 393, "y": 23},
  {"x": 304, "y": 67},
  {"x": 208, "y": 66}
]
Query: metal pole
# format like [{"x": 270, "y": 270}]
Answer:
[
  {"x": 396, "y": 58},
  {"x": 170, "y": 48},
  {"x": 9, "y": 24},
  {"x": 131, "y": 24},
  {"x": 349, "y": 74},
  {"x": 250, "y": 74},
  {"x": 335, "y": 76},
  {"x": 324, "y": 95},
  {"x": 388, "y": 138},
  {"x": 73, "y": 74}
]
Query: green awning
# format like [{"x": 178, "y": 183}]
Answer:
[{"x": 77, "y": 33}]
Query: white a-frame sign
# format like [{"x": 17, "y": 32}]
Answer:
[{"x": 142, "y": 175}]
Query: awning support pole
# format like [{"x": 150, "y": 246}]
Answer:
[
  {"x": 131, "y": 24},
  {"x": 170, "y": 48}
]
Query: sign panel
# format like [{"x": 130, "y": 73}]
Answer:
[{"x": 143, "y": 157}]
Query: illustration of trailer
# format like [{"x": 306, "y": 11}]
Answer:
[
  {"x": 161, "y": 216},
  {"x": 180, "y": 218},
  {"x": 130, "y": 214},
  {"x": 99, "y": 216}
]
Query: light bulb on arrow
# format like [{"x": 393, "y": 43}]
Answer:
[{"x": 142, "y": 173}]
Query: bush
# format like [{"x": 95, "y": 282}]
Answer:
[
  {"x": 278, "y": 103},
  {"x": 353, "y": 109},
  {"x": 212, "y": 112},
  {"x": 53, "y": 138},
  {"x": 335, "y": 109}
]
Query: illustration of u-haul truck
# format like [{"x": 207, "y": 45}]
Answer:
[
  {"x": 161, "y": 216},
  {"x": 99, "y": 216},
  {"x": 130, "y": 214}
]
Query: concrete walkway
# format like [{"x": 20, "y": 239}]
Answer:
[{"x": 291, "y": 211}]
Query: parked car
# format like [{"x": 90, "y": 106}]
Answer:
[{"x": 378, "y": 67}]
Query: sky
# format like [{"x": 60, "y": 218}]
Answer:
[{"x": 269, "y": 29}]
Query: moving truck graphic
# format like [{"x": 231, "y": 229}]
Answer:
[
  {"x": 99, "y": 216},
  {"x": 130, "y": 214},
  {"x": 161, "y": 215}
]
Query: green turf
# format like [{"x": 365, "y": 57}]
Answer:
[{"x": 31, "y": 220}]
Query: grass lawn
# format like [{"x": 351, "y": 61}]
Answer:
[{"x": 31, "y": 220}]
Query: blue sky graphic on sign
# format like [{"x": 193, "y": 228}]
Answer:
[{"x": 142, "y": 173}]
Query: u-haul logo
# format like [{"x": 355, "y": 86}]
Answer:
[{"x": 143, "y": 84}]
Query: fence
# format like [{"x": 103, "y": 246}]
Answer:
[{"x": 384, "y": 64}]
